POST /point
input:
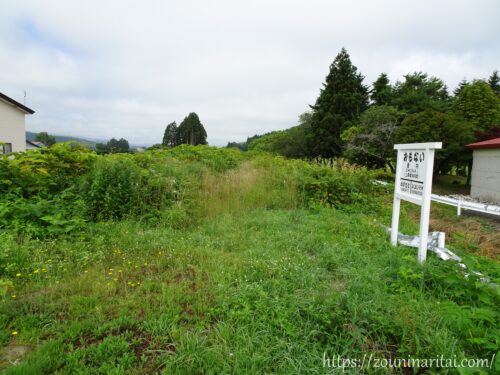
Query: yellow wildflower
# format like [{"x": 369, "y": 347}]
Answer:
[{"x": 14, "y": 333}]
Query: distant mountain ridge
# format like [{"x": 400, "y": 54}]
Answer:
[{"x": 30, "y": 136}]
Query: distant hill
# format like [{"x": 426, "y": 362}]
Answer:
[{"x": 30, "y": 136}]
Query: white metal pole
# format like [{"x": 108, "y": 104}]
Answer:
[
  {"x": 426, "y": 207},
  {"x": 396, "y": 205}
]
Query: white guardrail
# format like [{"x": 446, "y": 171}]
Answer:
[{"x": 467, "y": 205}]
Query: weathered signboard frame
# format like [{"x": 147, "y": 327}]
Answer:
[{"x": 414, "y": 166}]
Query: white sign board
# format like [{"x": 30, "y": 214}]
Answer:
[
  {"x": 413, "y": 172},
  {"x": 415, "y": 163}
]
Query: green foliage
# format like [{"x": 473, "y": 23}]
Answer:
[
  {"x": 494, "y": 82},
  {"x": 460, "y": 87},
  {"x": 259, "y": 269},
  {"x": 331, "y": 188},
  {"x": 431, "y": 126},
  {"x": 273, "y": 142},
  {"x": 418, "y": 93},
  {"x": 217, "y": 159},
  {"x": 41, "y": 217},
  {"x": 371, "y": 143},
  {"x": 478, "y": 104},
  {"x": 116, "y": 187},
  {"x": 469, "y": 305},
  {"x": 43, "y": 171},
  {"x": 113, "y": 146},
  {"x": 290, "y": 143},
  {"x": 341, "y": 101},
  {"x": 243, "y": 146},
  {"x": 382, "y": 91},
  {"x": 36, "y": 187},
  {"x": 170, "y": 137},
  {"x": 45, "y": 138},
  {"x": 191, "y": 131}
]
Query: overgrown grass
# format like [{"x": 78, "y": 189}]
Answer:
[{"x": 245, "y": 270}]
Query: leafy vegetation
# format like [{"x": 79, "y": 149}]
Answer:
[
  {"x": 45, "y": 138},
  {"x": 348, "y": 121},
  {"x": 204, "y": 260}
]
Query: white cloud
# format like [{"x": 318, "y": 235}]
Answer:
[{"x": 127, "y": 68}]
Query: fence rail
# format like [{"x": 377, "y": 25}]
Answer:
[{"x": 467, "y": 205}]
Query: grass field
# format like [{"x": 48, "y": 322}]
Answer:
[{"x": 249, "y": 279}]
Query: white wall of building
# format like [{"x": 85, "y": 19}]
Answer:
[
  {"x": 485, "y": 183},
  {"x": 12, "y": 126}
]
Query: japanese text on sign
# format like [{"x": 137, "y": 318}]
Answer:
[{"x": 412, "y": 172}]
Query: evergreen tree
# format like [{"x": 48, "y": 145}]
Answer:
[
  {"x": 191, "y": 131},
  {"x": 170, "y": 135},
  {"x": 460, "y": 87},
  {"x": 478, "y": 104},
  {"x": 418, "y": 93},
  {"x": 341, "y": 101},
  {"x": 494, "y": 82},
  {"x": 120, "y": 145},
  {"x": 381, "y": 93},
  {"x": 113, "y": 146}
]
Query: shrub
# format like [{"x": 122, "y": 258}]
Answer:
[
  {"x": 44, "y": 171},
  {"x": 332, "y": 188},
  {"x": 37, "y": 198},
  {"x": 116, "y": 187},
  {"x": 39, "y": 217}
]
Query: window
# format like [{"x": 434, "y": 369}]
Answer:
[{"x": 5, "y": 148}]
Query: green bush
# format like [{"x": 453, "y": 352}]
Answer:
[
  {"x": 44, "y": 171},
  {"x": 217, "y": 159},
  {"x": 36, "y": 189},
  {"x": 39, "y": 217},
  {"x": 332, "y": 188},
  {"x": 116, "y": 187}
]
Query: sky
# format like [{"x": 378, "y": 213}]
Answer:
[{"x": 120, "y": 68}]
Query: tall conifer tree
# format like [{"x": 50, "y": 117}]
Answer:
[
  {"x": 191, "y": 131},
  {"x": 381, "y": 93},
  {"x": 170, "y": 136},
  {"x": 338, "y": 106}
]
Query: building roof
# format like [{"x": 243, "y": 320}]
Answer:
[
  {"x": 16, "y": 104},
  {"x": 490, "y": 143},
  {"x": 35, "y": 144}
]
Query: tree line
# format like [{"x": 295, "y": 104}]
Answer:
[{"x": 362, "y": 124}]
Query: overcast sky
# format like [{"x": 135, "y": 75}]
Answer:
[{"x": 119, "y": 68}]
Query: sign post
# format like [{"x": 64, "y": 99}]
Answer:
[{"x": 414, "y": 166}]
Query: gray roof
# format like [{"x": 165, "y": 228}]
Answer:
[{"x": 20, "y": 106}]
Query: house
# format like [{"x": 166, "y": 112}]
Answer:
[
  {"x": 485, "y": 183},
  {"x": 12, "y": 125}
]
